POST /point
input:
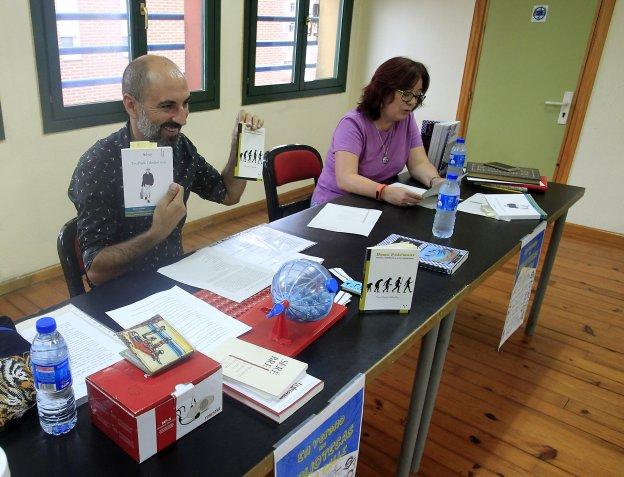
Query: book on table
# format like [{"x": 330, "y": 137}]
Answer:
[
  {"x": 281, "y": 408},
  {"x": 443, "y": 139},
  {"x": 266, "y": 372},
  {"x": 524, "y": 175},
  {"x": 514, "y": 206},
  {"x": 435, "y": 257},
  {"x": 542, "y": 186},
  {"x": 389, "y": 277},
  {"x": 249, "y": 153}
]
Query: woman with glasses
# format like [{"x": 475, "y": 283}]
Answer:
[{"x": 375, "y": 141}]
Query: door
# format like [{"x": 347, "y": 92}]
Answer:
[{"x": 526, "y": 62}]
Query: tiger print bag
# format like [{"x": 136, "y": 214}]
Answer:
[{"x": 17, "y": 390}]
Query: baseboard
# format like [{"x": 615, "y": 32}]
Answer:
[
  {"x": 592, "y": 235},
  {"x": 230, "y": 214}
]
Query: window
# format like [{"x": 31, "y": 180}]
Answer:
[
  {"x": 295, "y": 49},
  {"x": 83, "y": 47}
]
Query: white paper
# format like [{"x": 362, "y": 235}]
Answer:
[
  {"x": 477, "y": 204},
  {"x": 520, "y": 296},
  {"x": 341, "y": 218},
  {"x": 201, "y": 324},
  {"x": 424, "y": 193},
  {"x": 91, "y": 345},
  {"x": 220, "y": 273},
  {"x": 262, "y": 238}
]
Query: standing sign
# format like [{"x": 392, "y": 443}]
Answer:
[
  {"x": 329, "y": 442},
  {"x": 525, "y": 274}
]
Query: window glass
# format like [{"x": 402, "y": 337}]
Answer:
[{"x": 323, "y": 34}]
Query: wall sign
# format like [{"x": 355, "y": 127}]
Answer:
[{"x": 539, "y": 13}]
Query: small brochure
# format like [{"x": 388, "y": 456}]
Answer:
[
  {"x": 250, "y": 153},
  {"x": 147, "y": 174},
  {"x": 389, "y": 277},
  {"x": 154, "y": 345},
  {"x": 514, "y": 206}
]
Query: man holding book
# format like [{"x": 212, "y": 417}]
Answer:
[{"x": 156, "y": 98}]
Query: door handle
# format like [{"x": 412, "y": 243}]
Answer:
[{"x": 565, "y": 104}]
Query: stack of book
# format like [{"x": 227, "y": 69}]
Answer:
[
  {"x": 269, "y": 382},
  {"x": 438, "y": 139},
  {"x": 522, "y": 179}
]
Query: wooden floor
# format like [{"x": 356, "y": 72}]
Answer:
[{"x": 553, "y": 405}]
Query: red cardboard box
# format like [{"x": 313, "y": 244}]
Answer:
[{"x": 144, "y": 414}]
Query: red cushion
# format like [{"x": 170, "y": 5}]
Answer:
[{"x": 291, "y": 166}]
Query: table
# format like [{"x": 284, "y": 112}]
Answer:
[{"x": 240, "y": 440}]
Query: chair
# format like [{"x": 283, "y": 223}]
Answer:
[
  {"x": 286, "y": 164},
  {"x": 71, "y": 258}
]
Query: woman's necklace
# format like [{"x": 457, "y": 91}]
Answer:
[{"x": 385, "y": 145}]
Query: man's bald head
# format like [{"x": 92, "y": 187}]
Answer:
[{"x": 143, "y": 71}]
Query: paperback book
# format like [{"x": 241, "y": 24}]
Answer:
[
  {"x": 147, "y": 173},
  {"x": 515, "y": 206},
  {"x": 389, "y": 277},
  {"x": 263, "y": 371},
  {"x": 154, "y": 345},
  {"x": 277, "y": 409},
  {"x": 433, "y": 256},
  {"x": 442, "y": 141},
  {"x": 250, "y": 153}
]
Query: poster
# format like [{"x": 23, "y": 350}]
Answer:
[
  {"x": 329, "y": 442},
  {"x": 525, "y": 274}
]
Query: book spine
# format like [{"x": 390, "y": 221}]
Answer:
[
  {"x": 543, "y": 214},
  {"x": 362, "y": 305}
]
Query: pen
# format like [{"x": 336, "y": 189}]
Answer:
[{"x": 506, "y": 188}]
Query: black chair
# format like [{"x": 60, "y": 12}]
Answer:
[
  {"x": 71, "y": 258},
  {"x": 286, "y": 164}
]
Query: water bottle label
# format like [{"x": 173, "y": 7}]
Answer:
[
  {"x": 457, "y": 160},
  {"x": 448, "y": 202},
  {"x": 52, "y": 378}
]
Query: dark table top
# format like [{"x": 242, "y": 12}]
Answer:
[{"x": 239, "y": 439}]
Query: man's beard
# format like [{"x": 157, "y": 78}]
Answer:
[{"x": 152, "y": 132}]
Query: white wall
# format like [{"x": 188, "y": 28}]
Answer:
[
  {"x": 599, "y": 160},
  {"x": 36, "y": 168}
]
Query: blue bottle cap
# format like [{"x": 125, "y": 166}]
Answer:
[
  {"x": 331, "y": 285},
  {"x": 46, "y": 325},
  {"x": 451, "y": 177},
  {"x": 460, "y": 140}
]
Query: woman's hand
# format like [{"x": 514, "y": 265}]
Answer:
[{"x": 399, "y": 196}]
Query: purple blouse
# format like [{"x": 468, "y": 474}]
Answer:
[{"x": 358, "y": 135}]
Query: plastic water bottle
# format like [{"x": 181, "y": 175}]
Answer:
[
  {"x": 457, "y": 158},
  {"x": 448, "y": 198},
  {"x": 308, "y": 288},
  {"x": 53, "y": 382}
]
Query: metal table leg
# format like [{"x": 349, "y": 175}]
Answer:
[
  {"x": 551, "y": 254},
  {"x": 417, "y": 401},
  {"x": 443, "y": 340}
]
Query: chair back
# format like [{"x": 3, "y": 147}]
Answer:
[
  {"x": 286, "y": 164},
  {"x": 71, "y": 258}
]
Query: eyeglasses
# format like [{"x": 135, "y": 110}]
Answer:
[{"x": 407, "y": 96}]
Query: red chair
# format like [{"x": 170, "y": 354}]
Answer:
[
  {"x": 71, "y": 258},
  {"x": 286, "y": 164}
]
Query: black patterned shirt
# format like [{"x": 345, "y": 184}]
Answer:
[{"x": 96, "y": 189}]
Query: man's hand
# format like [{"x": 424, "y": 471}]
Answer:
[
  {"x": 168, "y": 213},
  {"x": 400, "y": 196},
  {"x": 254, "y": 122}
]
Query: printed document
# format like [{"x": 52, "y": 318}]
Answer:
[
  {"x": 341, "y": 218},
  {"x": 91, "y": 345},
  {"x": 201, "y": 324}
]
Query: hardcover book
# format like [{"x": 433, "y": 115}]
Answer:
[
  {"x": 154, "y": 345},
  {"x": 258, "y": 369},
  {"x": 525, "y": 175},
  {"x": 250, "y": 153},
  {"x": 389, "y": 276},
  {"x": 147, "y": 173},
  {"x": 542, "y": 186},
  {"x": 433, "y": 256}
]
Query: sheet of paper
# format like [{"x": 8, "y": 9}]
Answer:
[
  {"x": 201, "y": 324},
  {"x": 425, "y": 193},
  {"x": 341, "y": 218},
  {"x": 476, "y": 204},
  {"x": 220, "y": 273},
  {"x": 262, "y": 238},
  {"x": 91, "y": 345}
]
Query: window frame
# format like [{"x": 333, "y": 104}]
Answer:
[
  {"x": 299, "y": 88},
  {"x": 2, "y": 136},
  {"x": 57, "y": 117}
]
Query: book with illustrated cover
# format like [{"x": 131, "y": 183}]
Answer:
[
  {"x": 515, "y": 206},
  {"x": 266, "y": 372},
  {"x": 525, "y": 175},
  {"x": 147, "y": 173},
  {"x": 154, "y": 345},
  {"x": 433, "y": 256},
  {"x": 277, "y": 409},
  {"x": 250, "y": 153},
  {"x": 389, "y": 277}
]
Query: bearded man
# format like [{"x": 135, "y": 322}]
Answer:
[{"x": 156, "y": 98}]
